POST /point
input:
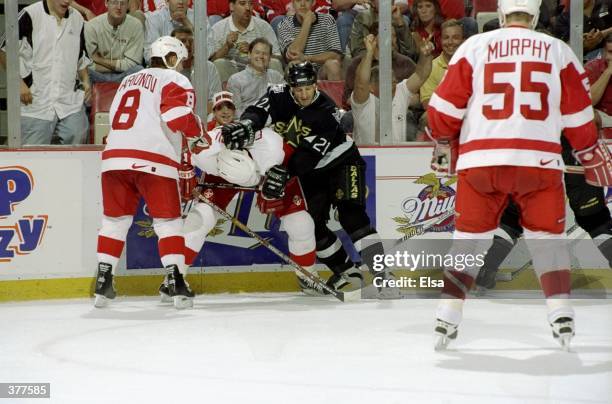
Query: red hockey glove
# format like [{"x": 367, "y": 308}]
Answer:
[
  {"x": 597, "y": 163},
  {"x": 187, "y": 181}
]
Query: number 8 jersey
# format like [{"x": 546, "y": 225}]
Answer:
[
  {"x": 149, "y": 115},
  {"x": 510, "y": 92}
]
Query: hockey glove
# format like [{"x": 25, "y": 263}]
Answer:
[
  {"x": 187, "y": 181},
  {"x": 238, "y": 135},
  {"x": 273, "y": 186},
  {"x": 444, "y": 159},
  {"x": 597, "y": 163}
]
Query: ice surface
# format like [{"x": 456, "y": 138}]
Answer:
[{"x": 287, "y": 348}]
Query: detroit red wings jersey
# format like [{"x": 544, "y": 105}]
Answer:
[
  {"x": 267, "y": 151},
  {"x": 509, "y": 93},
  {"x": 151, "y": 112}
]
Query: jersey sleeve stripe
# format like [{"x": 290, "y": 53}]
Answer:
[
  {"x": 175, "y": 113},
  {"x": 446, "y": 107},
  {"x": 579, "y": 118}
]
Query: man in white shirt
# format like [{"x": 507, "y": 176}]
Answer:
[
  {"x": 232, "y": 35},
  {"x": 52, "y": 54},
  {"x": 364, "y": 99}
]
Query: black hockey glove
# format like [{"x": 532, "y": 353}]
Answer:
[
  {"x": 238, "y": 135},
  {"x": 273, "y": 186}
]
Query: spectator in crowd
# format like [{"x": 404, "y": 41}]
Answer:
[
  {"x": 223, "y": 109},
  {"x": 452, "y": 37},
  {"x": 185, "y": 35},
  {"x": 365, "y": 19},
  {"x": 90, "y": 9},
  {"x": 600, "y": 71},
  {"x": 162, "y": 21},
  {"x": 402, "y": 65},
  {"x": 364, "y": 99},
  {"x": 426, "y": 21},
  {"x": 313, "y": 37},
  {"x": 250, "y": 84},
  {"x": 232, "y": 35},
  {"x": 597, "y": 23},
  {"x": 276, "y": 10},
  {"x": 114, "y": 42},
  {"x": 455, "y": 9},
  {"x": 348, "y": 9},
  {"x": 52, "y": 55}
]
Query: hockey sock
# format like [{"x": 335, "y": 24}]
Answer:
[
  {"x": 331, "y": 253},
  {"x": 368, "y": 244}
]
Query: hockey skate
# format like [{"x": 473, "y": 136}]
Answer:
[
  {"x": 305, "y": 285},
  {"x": 563, "y": 331},
  {"x": 347, "y": 281},
  {"x": 485, "y": 281},
  {"x": 445, "y": 333},
  {"x": 105, "y": 289},
  {"x": 164, "y": 293},
  {"x": 178, "y": 288},
  {"x": 386, "y": 291}
]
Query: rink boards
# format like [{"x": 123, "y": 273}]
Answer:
[{"x": 50, "y": 210}]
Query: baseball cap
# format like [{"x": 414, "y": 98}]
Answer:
[{"x": 221, "y": 97}]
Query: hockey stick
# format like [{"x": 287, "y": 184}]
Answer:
[
  {"x": 222, "y": 185},
  {"x": 313, "y": 281}
]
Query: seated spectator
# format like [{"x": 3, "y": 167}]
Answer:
[
  {"x": 224, "y": 110},
  {"x": 599, "y": 72},
  {"x": 185, "y": 35},
  {"x": 162, "y": 21},
  {"x": 90, "y": 9},
  {"x": 364, "y": 21},
  {"x": 597, "y": 23},
  {"x": 402, "y": 65},
  {"x": 277, "y": 10},
  {"x": 456, "y": 9},
  {"x": 114, "y": 42},
  {"x": 52, "y": 55},
  {"x": 426, "y": 21},
  {"x": 313, "y": 37},
  {"x": 249, "y": 85},
  {"x": 232, "y": 35},
  {"x": 452, "y": 37},
  {"x": 364, "y": 99}
]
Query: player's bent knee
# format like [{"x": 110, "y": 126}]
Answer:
[
  {"x": 200, "y": 218},
  {"x": 116, "y": 227},
  {"x": 167, "y": 227}
]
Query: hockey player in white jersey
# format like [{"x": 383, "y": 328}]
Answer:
[
  {"x": 246, "y": 169},
  {"x": 498, "y": 114},
  {"x": 151, "y": 116}
]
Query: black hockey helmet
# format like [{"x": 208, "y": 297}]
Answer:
[{"x": 302, "y": 74}]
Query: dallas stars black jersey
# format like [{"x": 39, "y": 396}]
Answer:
[{"x": 312, "y": 133}]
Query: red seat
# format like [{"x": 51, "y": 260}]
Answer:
[
  {"x": 483, "y": 6},
  {"x": 334, "y": 89},
  {"x": 102, "y": 95}
]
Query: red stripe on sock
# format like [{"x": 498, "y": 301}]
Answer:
[
  {"x": 453, "y": 290},
  {"x": 171, "y": 245},
  {"x": 305, "y": 260},
  {"x": 556, "y": 282},
  {"x": 190, "y": 256},
  {"x": 110, "y": 246}
]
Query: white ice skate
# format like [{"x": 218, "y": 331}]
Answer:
[
  {"x": 445, "y": 333},
  {"x": 563, "y": 331}
]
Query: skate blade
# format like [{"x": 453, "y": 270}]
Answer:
[
  {"x": 565, "y": 341},
  {"x": 442, "y": 342},
  {"x": 352, "y": 296},
  {"x": 101, "y": 301},
  {"x": 164, "y": 298},
  {"x": 183, "y": 302}
]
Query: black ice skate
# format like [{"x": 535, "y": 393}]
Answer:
[
  {"x": 306, "y": 286},
  {"x": 563, "y": 331},
  {"x": 485, "y": 281},
  {"x": 347, "y": 281},
  {"x": 164, "y": 293},
  {"x": 385, "y": 279},
  {"x": 445, "y": 333},
  {"x": 178, "y": 288},
  {"x": 105, "y": 289}
]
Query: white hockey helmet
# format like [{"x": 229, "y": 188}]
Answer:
[
  {"x": 506, "y": 7},
  {"x": 237, "y": 167},
  {"x": 167, "y": 44}
]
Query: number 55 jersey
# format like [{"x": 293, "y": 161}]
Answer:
[
  {"x": 149, "y": 115},
  {"x": 510, "y": 92}
]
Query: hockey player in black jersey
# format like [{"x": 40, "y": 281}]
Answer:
[
  {"x": 325, "y": 160},
  {"x": 590, "y": 211}
]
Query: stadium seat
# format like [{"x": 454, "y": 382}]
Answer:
[
  {"x": 102, "y": 96},
  {"x": 480, "y": 6},
  {"x": 334, "y": 89}
]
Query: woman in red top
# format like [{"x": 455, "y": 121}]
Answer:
[{"x": 426, "y": 21}]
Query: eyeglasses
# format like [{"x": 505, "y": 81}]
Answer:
[{"x": 115, "y": 3}]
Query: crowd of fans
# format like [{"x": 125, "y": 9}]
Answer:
[{"x": 66, "y": 46}]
